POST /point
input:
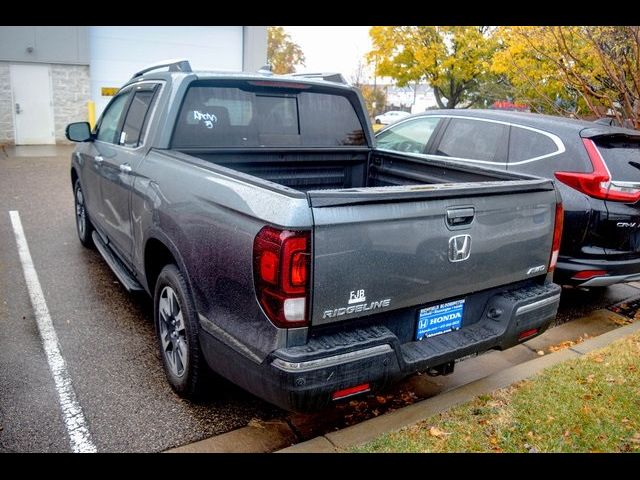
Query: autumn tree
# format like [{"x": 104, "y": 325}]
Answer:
[
  {"x": 578, "y": 71},
  {"x": 283, "y": 54},
  {"x": 455, "y": 61},
  {"x": 375, "y": 97}
]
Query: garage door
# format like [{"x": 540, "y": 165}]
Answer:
[{"x": 117, "y": 52}]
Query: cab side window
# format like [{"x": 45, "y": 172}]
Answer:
[
  {"x": 108, "y": 128},
  {"x": 134, "y": 122}
]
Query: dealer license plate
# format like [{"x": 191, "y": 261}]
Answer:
[{"x": 439, "y": 319}]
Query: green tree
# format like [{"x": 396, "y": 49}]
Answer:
[
  {"x": 580, "y": 71},
  {"x": 375, "y": 97},
  {"x": 455, "y": 61},
  {"x": 282, "y": 53}
]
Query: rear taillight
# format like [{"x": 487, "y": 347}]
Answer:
[
  {"x": 557, "y": 237},
  {"x": 597, "y": 184},
  {"x": 281, "y": 275}
]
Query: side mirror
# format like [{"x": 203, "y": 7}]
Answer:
[{"x": 78, "y": 132}]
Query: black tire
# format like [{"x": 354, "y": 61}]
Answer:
[
  {"x": 189, "y": 382},
  {"x": 84, "y": 227},
  {"x": 378, "y": 121}
]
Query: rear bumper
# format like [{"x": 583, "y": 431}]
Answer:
[
  {"x": 617, "y": 271},
  {"x": 304, "y": 378}
]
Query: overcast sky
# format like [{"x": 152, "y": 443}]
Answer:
[{"x": 331, "y": 49}]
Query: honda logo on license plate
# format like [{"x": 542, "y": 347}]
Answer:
[{"x": 459, "y": 248}]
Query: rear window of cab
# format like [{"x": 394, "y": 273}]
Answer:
[{"x": 256, "y": 116}]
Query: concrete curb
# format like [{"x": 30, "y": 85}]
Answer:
[
  {"x": 257, "y": 437},
  {"x": 370, "y": 429}
]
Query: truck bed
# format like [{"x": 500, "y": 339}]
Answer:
[
  {"x": 330, "y": 170},
  {"x": 384, "y": 224}
]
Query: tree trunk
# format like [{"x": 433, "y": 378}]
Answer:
[{"x": 438, "y": 94}]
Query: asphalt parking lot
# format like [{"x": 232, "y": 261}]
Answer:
[{"x": 106, "y": 335}]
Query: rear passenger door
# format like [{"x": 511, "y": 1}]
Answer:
[{"x": 474, "y": 141}]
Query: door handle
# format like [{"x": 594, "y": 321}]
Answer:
[
  {"x": 125, "y": 168},
  {"x": 18, "y": 108},
  {"x": 98, "y": 159},
  {"x": 460, "y": 216}
]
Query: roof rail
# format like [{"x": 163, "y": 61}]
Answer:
[
  {"x": 175, "y": 65},
  {"x": 328, "y": 76}
]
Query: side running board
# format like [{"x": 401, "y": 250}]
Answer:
[{"x": 130, "y": 283}]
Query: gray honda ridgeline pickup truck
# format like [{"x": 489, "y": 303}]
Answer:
[{"x": 290, "y": 256}]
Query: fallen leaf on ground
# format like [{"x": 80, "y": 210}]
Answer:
[
  {"x": 255, "y": 423},
  {"x": 563, "y": 345},
  {"x": 436, "y": 432},
  {"x": 598, "y": 359},
  {"x": 540, "y": 352}
]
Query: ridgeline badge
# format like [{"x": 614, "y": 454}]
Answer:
[{"x": 356, "y": 297}]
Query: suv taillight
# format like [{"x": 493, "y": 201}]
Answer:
[
  {"x": 281, "y": 273},
  {"x": 557, "y": 237},
  {"x": 597, "y": 184}
]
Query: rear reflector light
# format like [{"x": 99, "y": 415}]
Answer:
[
  {"x": 347, "y": 392},
  {"x": 587, "y": 274},
  {"x": 281, "y": 275},
  {"x": 557, "y": 237},
  {"x": 597, "y": 184},
  {"x": 527, "y": 334}
]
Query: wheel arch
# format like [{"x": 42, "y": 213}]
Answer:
[{"x": 158, "y": 252}]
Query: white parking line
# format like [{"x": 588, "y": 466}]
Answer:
[{"x": 71, "y": 410}]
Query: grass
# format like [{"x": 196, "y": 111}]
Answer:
[{"x": 589, "y": 404}]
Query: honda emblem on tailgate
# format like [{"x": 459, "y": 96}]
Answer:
[{"x": 459, "y": 248}]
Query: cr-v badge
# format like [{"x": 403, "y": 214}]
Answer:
[{"x": 459, "y": 248}]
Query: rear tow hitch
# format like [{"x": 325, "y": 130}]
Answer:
[{"x": 443, "y": 369}]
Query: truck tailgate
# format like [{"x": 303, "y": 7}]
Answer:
[{"x": 375, "y": 256}]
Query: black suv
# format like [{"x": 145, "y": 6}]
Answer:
[{"x": 596, "y": 168}]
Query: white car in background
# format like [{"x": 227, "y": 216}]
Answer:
[{"x": 390, "y": 117}]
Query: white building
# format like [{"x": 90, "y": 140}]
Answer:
[
  {"x": 49, "y": 74},
  {"x": 414, "y": 99}
]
